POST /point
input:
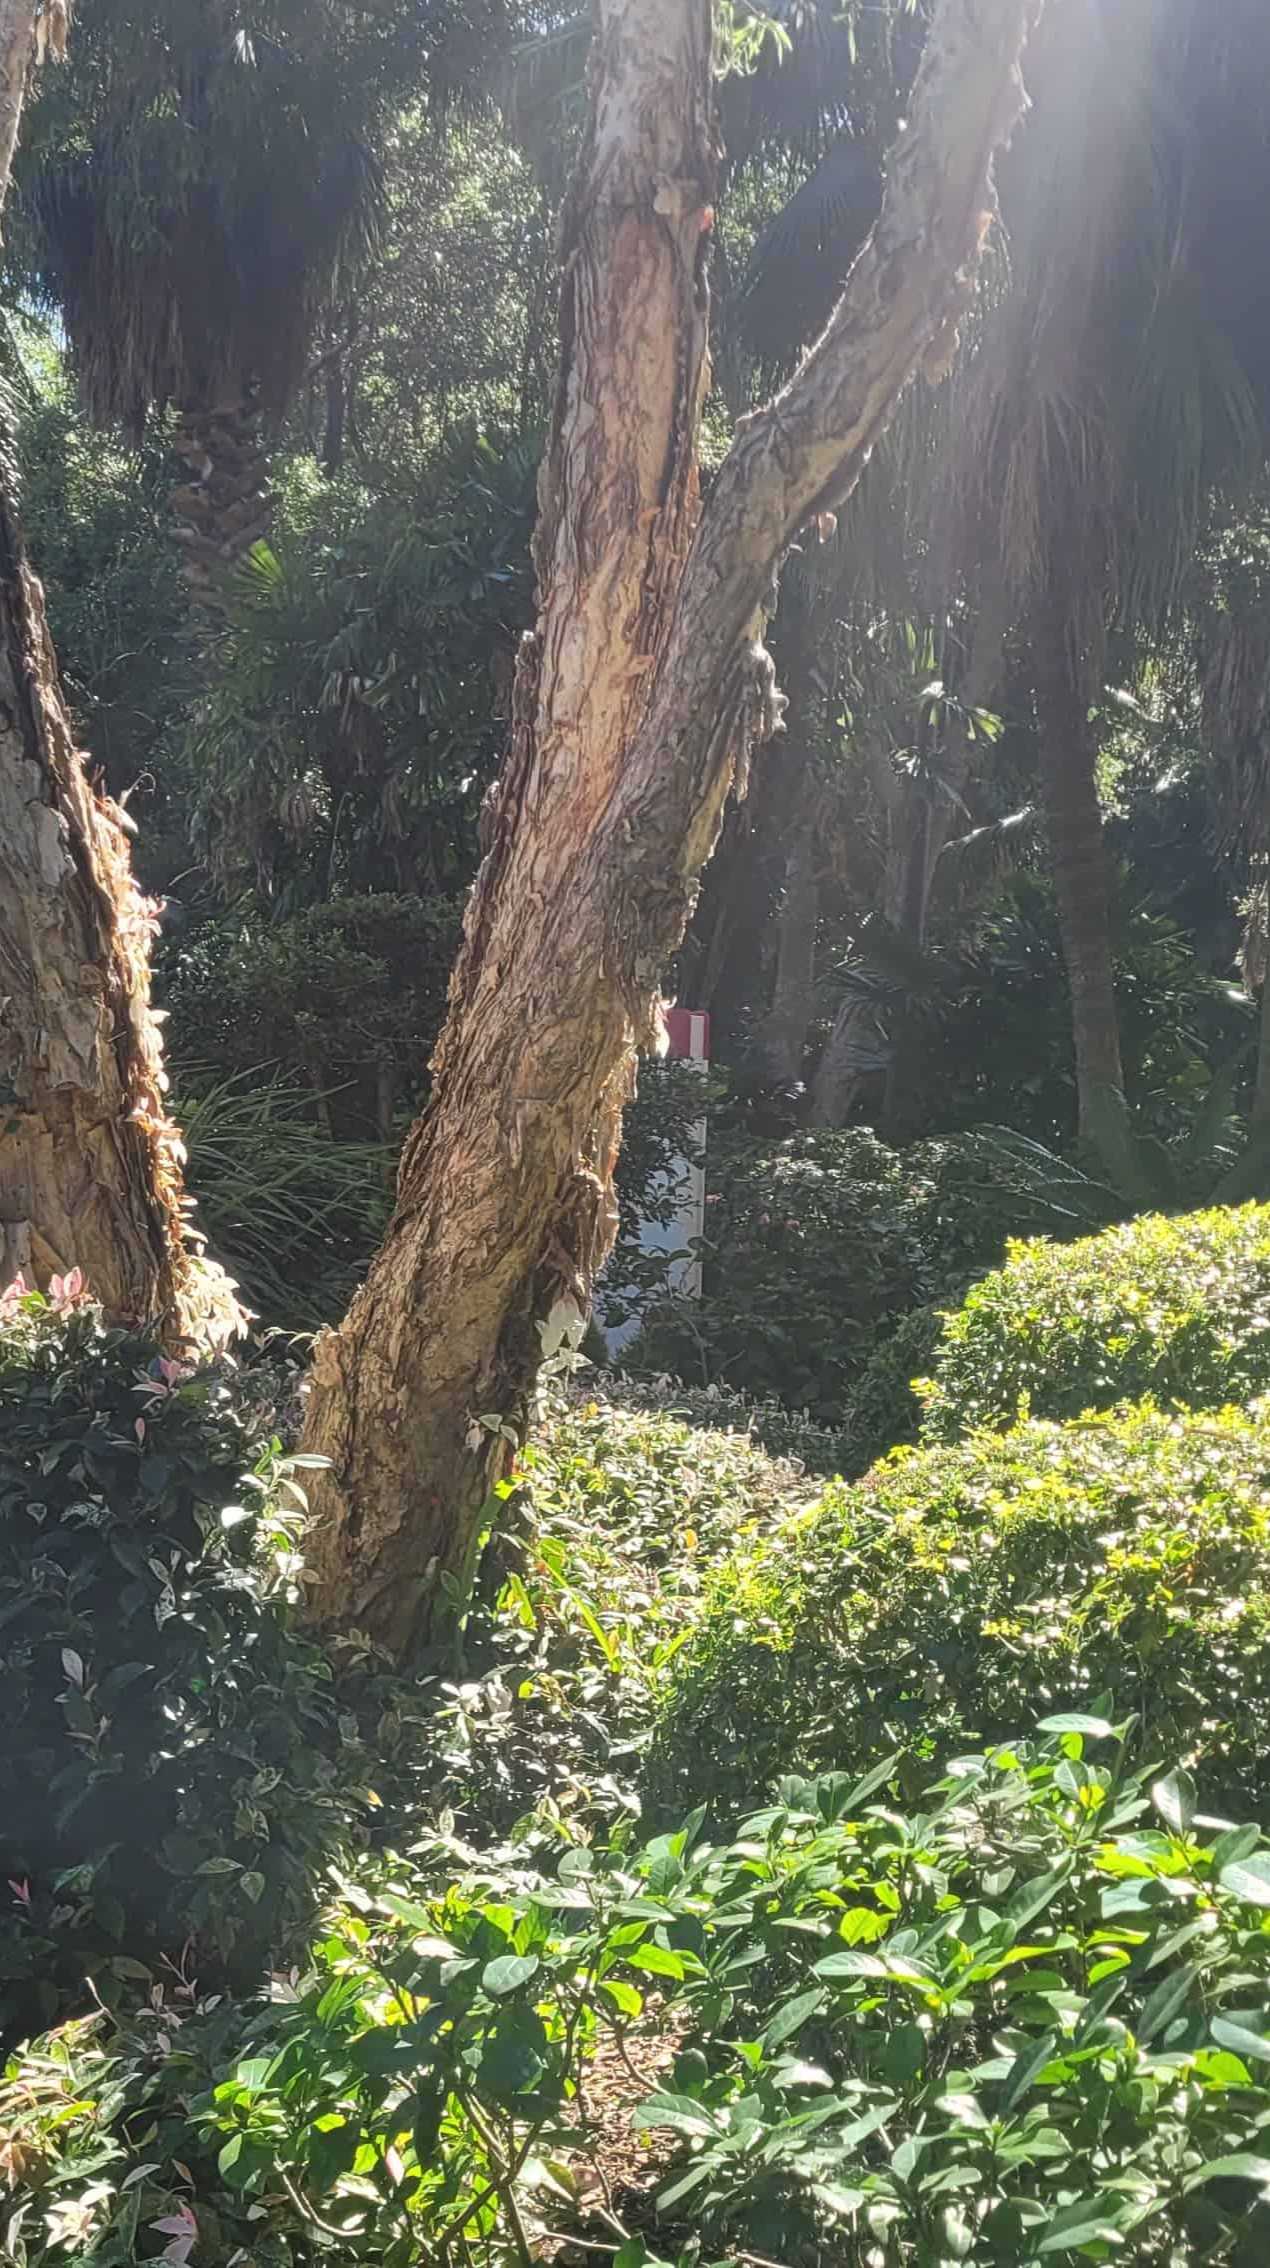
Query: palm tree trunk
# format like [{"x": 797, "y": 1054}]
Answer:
[
  {"x": 797, "y": 922},
  {"x": 917, "y": 827},
  {"x": 794, "y": 805},
  {"x": 636, "y": 700},
  {"x": 222, "y": 506},
  {"x": 901, "y": 1106},
  {"x": 854, "y": 1053},
  {"x": 1069, "y": 792}
]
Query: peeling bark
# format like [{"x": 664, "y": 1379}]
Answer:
[
  {"x": 636, "y": 701},
  {"x": 90, "y": 1163},
  {"x": 17, "y": 39}
]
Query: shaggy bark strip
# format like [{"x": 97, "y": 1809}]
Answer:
[
  {"x": 637, "y": 699},
  {"x": 90, "y": 1163}
]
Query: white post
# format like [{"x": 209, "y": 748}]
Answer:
[{"x": 688, "y": 1033}]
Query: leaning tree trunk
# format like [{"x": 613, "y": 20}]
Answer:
[
  {"x": 1067, "y": 760},
  {"x": 222, "y": 506},
  {"x": 90, "y": 1163},
  {"x": 635, "y": 702}
]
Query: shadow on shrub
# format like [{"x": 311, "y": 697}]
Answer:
[{"x": 174, "y": 1766}]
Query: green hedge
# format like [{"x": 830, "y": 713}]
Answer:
[
  {"x": 1175, "y": 1308},
  {"x": 956, "y": 1591}
]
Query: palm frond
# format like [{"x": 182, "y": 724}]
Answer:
[
  {"x": 971, "y": 864},
  {"x": 190, "y": 191},
  {"x": 1103, "y": 401}
]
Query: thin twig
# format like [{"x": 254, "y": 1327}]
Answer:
[{"x": 309, "y": 2212}]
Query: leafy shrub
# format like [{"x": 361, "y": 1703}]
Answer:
[
  {"x": 172, "y": 1766},
  {"x": 348, "y": 996},
  {"x": 817, "y": 1247},
  {"x": 1175, "y": 1308},
  {"x": 773, "y": 1426},
  {"x": 614, "y": 1523},
  {"x": 1019, "y": 2022},
  {"x": 953, "y": 1590},
  {"x": 808, "y": 1248},
  {"x": 1024, "y": 2022}
]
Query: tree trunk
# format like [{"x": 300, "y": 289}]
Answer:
[
  {"x": 636, "y": 702},
  {"x": 856, "y": 1050},
  {"x": 795, "y": 805},
  {"x": 222, "y": 506},
  {"x": 868, "y": 1027},
  {"x": 1069, "y": 792},
  {"x": 915, "y": 869},
  {"x": 864, "y": 1041},
  {"x": 797, "y": 921},
  {"x": 1250, "y": 1174},
  {"x": 90, "y": 1163}
]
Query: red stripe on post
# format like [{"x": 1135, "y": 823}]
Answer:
[{"x": 688, "y": 1031}]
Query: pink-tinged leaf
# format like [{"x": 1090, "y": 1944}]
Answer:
[
  {"x": 181, "y": 2223},
  {"x": 74, "y": 1284},
  {"x": 21, "y": 1891},
  {"x": 139, "y": 1429}
]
